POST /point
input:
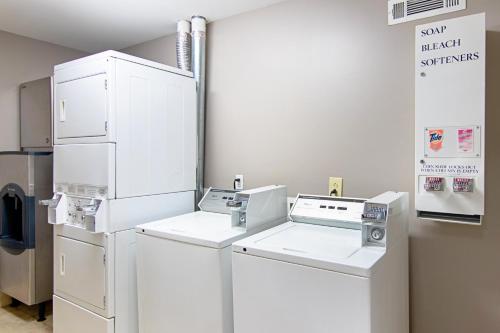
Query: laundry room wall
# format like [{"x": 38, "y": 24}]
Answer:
[
  {"x": 161, "y": 49},
  {"x": 308, "y": 89},
  {"x": 23, "y": 59}
]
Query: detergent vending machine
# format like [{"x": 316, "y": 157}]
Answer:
[{"x": 450, "y": 120}]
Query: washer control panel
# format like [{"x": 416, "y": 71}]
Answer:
[
  {"x": 329, "y": 211},
  {"x": 216, "y": 201}
]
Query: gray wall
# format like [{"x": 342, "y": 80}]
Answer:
[
  {"x": 309, "y": 89},
  {"x": 161, "y": 50},
  {"x": 23, "y": 59}
]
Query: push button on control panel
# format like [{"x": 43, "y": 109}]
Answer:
[
  {"x": 434, "y": 184},
  {"x": 463, "y": 185}
]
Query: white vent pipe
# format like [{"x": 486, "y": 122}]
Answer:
[{"x": 183, "y": 45}]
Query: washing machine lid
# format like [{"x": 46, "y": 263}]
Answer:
[
  {"x": 199, "y": 228},
  {"x": 331, "y": 248}
]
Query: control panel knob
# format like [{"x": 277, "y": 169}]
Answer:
[{"x": 377, "y": 234}]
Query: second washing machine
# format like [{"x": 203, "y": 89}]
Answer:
[{"x": 340, "y": 266}]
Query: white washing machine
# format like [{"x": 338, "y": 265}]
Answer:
[
  {"x": 340, "y": 265},
  {"x": 184, "y": 262}
]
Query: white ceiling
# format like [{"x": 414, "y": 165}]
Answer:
[{"x": 96, "y": 25}]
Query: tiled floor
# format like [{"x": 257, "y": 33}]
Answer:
[{"x": 22, "y": 319}]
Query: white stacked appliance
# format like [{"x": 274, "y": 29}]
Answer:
[{"x": 124, "y": 154}]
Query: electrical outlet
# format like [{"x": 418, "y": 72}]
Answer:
[
  {"x": 335, "y": 186},
  {"x": 238, "y": 182}
]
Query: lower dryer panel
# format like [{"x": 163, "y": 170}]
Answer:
[
  {"x": 95, "y": 275},
  {"x": 80, "y": 271},
  {"x": 69, "y": 317}
]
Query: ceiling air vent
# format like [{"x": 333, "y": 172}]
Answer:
[{"x": 409, "y": 10}]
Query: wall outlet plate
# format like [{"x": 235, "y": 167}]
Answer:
[
  {"x": 335, "y": 186},
  {"x": 238, "y": 183}
]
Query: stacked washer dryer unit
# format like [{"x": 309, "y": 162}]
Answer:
[
  {"x": 124, "y": 154},
  {"x": 340, "y": 265}
]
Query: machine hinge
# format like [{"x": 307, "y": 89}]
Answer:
[
  {"x": 104, "y": 259},
  {"x": 106, "y": 84},
  {"x": 104, "y": 300},
  {"x": 105, "y": 125}
]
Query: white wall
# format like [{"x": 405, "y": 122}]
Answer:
[{"x": 23, "y": 59}]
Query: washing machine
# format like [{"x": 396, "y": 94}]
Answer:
[
  {"x": 340, "y": 265},
  {"x": 184, "y": 262}
]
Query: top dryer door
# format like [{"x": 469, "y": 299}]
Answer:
[{"x": 81, "y": 108}]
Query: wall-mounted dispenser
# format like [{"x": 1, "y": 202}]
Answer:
[{"x": 450, "y": 120}]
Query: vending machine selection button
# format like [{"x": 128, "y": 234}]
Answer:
[
  {"x": 463, "y": 185},
  {"x": 434, "y": 184}
]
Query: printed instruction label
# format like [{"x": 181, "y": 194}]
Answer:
[{"x": 449, "y": 169}]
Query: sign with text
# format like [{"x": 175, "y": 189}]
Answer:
[
  {"x": 451, "y": 43},
  {"x": 450, "y": 60}
]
